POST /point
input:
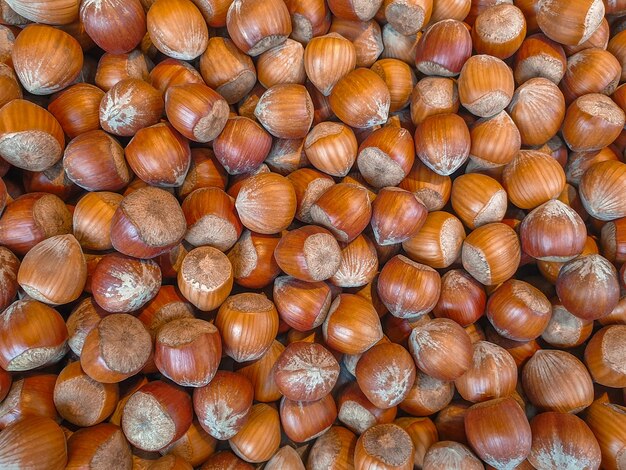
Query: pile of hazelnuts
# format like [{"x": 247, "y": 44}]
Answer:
[{"x": 312, "y": 234}]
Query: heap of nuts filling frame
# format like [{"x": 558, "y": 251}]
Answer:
[{"x": 312, "y": 234}]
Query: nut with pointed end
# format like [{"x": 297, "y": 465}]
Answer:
[
  {"x": 408, "y": 289},
  {"x": 46, "y": 59},
  {"x": 124, "y": 284},
  {"x": 592, "y": 111},
  {"x": 359, "y": 263},
  {"x": 304, "y": 421},
  {"x": 39, "y": 274},
  {"x": 259, "y": 438},
  {"x": 532, "y": 178},
  {"x": 286, "y": 111},
  {"x": 443, "y": 49},
  {"x": 439, "y": 242},
  {"x": 148, "y": 222},
  {"x": 34, "y": 442},
  {"x": 386, "y": 156},
  {"x": 205, "y": 277},
  {"x": 309, "y": 253},
  {"x": 242, "y": 146},
  {"x": 397, "y": 215},
  {"x": 495, "y": 141},
  {"x": 118, "y": 348},
  {"x": 99, "y": 447},
  {"x": 29, "y": 396},
  {"x": 344, "y": 209},
  {"x": 224, "y": 404},
  {"x": 131, "y": 104},
  {"x": 493, "y": 374},
  {"x": 384, "y": 446},
  {"x": 518, "y": 311},
  {"x": 562, "y": 437},
  {"x": 478, "y": 199},
  {"x": 156, "y": 415},
  {"x": 333, "y": 448},
  {"x": 604, "y": 356},
  {"x": 159, "y": 155},
  {"x": 211, "y": 219},
  {"x": 305, "y": 371},
  {"x": 252, "y": 259},
  {"x": 227, "y": 70},
  {"x": 592, "y": 70},
  {"x": 385, "y": 373},
  {"x": 553, "y": 232},
  {"x": 188, "y": 351},
  {"x": 499, "y": 432},
  {"x": 485, "y": 85},
  {"x": 369, "y": 111},
  {"x": 352, "y": 325},
  {"x": 588, "y": 287},
  {"x": 491, "y": 253},
  {"x": 196, "y": 111},
  {"x": 538, "y": 109},
  {"x": 602, "y": 188},
  {"x": 570, "y": 23},
  {"x": 442, "y": 142},
  {"x": 30, "y": 137},
  {"x": 327, "y": 59},
  {"x": 441, "y": 348},
  {"x": 81, "y": 400},
  {"x": 117, "y": 26},
  {"x": 95, "y": 161},
  {"x": 266, "y": 203},
  {"x": 258, "y": 25},
  {"x": 548, "y": 367},
  {"x": 302, "y": 305},
  {"x": 177, "y": 29},
  {"x": 248, "y": 324},
  {"x": 331, "y": 147},
  {"x": 462, "y": 298},
  {"x": 282, "y": 64}
]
